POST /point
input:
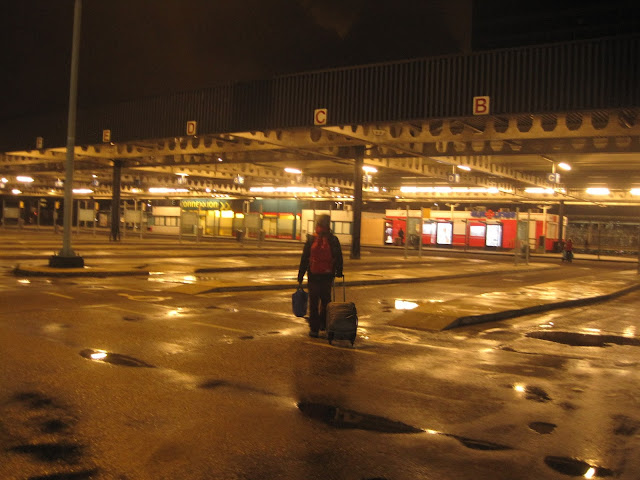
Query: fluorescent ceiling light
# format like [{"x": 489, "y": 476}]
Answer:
[
  {"x": 295, "y": 171},
  {"x": 410, "y": 189},
  {"x": 15, "y": 191},
  {"x": 538, "y": 190},
  {"x": 167, "y": 190},
  {"x": 465, "y": 168},
  {"x": 598, "y": 191},
  {"x": 369, "y": 169},
  {"x": 82, "y": 190},
  {"x": 25, "y": 179},
  {"x": 284, "y": 189},
  {"x": 181, "y": 174},
  {"x": 635, "y": 191},
  {"x": 564, "y": 166},
  {"x": 4, "y": 180}
]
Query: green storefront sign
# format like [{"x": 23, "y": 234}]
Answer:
[{"x": 204, "y": 204}]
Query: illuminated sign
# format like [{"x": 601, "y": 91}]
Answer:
[
  {"x": 204, "y": 204},
  {"x": 491, "y": 214}
]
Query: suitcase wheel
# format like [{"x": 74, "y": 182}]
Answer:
[{"x": 330, "y": 337}]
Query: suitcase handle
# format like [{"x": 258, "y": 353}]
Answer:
[{"x": 344, "y": 290}]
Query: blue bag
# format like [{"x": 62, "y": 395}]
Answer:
[{"x": 299, "y": 301}]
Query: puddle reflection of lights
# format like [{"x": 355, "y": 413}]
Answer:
[
  {"x": 594, "y": 330},
  {"x": 98, "y": 355},
  {"x": 190, "y": 279},
  {"x": 519, "y": 388},
  {"x": 547, "y": 325},
  {"x": 24, "y": 281},
  {"x": 590, "y": 473},
  {"x": 629, "y": 332},
  {"x": 405, "y": 305},
  {"x": 174, "y": 313}
]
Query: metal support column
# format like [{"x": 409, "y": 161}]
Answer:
[
  {"x": 115, "y": 201},
  {"x": 67, "y": 258},
  {"x": 561, "y": 221},
  {"x": 357, "y": 202}
]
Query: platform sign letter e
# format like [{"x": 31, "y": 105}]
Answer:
[{"x": 481, "y": 105}]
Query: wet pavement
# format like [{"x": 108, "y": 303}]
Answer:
[{"x": 130, "y": 378}]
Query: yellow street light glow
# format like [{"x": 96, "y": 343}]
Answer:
[
  {"x": 24, "y": 179},
  {"x": 4, "y": 180},
  {"x": 564, "y": 166},
  {"x": 598, "y": 191},
  {"x": 295, "y": 171},
  {"x": 82, "y": 190},
  {"x": 369, "y": 169},
  {"x": 635, "y": 191},
  {"x": 465, "y": 168}
]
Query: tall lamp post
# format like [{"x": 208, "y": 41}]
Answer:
[{"x": 67, "y": 258}]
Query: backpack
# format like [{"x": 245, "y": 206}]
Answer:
[{"x": 321, "y": 258}]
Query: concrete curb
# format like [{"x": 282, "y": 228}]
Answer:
[
  {"x": 360, "y": 283},
  {"x": 75, "y": 272},
  {"x": 507, "y": 314}
]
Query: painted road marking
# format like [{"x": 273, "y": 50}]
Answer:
[
  {"x": 59, "y": 295},
  {"x": 326, "y": 345},
  {"x": 218, "y": 326},
  {"x": 144, "y": 298}
]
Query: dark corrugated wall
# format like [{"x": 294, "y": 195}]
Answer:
[{"x": 588, "y": 75}]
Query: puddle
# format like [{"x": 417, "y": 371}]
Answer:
[
  {"x": 34, "y": 400},
  {"x": 84, "y": 475},
  {"x": 531, "y": 392},
  {"x": 543, "y": 428},
  {"x": 132, "y": 318},
  {"x": 113, "y": 358},
  {"x": 584, "y": 339},
  {"x": 349, "y": 419},
  {"x": 220, "y": 383},
  {"x": 51, "y": 452},
  {"x": 54, "y": 426},
  {"x": 576, "y": 468},
  {"x": 625, "y": 426}
]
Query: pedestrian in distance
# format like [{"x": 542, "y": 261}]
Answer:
[
  {"x": 321, "y": 261},
  {"x": 567, "y": 252}
]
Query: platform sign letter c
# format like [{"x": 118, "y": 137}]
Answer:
[
  {"x": 481, "y": 105},
  {"x": 320, "y": 116}
]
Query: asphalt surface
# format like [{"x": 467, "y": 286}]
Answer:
[
  {"x": 370, "y": 269},
  {"x": 198, "y": 370}
]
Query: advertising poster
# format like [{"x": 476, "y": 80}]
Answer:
[
  {"x": 444, "y": 233},
  {"x": 494, "y": 235}
]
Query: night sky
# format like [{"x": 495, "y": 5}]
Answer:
[{"x": 135, "y": 48}]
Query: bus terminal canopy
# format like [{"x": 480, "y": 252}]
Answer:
[{"x": 537, "y": 125}]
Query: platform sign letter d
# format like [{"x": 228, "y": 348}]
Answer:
[{"x": 481, "y": 105}]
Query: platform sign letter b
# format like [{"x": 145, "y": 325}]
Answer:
[{"x": 481, "y": 105}]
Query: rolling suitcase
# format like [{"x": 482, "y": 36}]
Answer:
[{"x": 342, "y": 318}]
